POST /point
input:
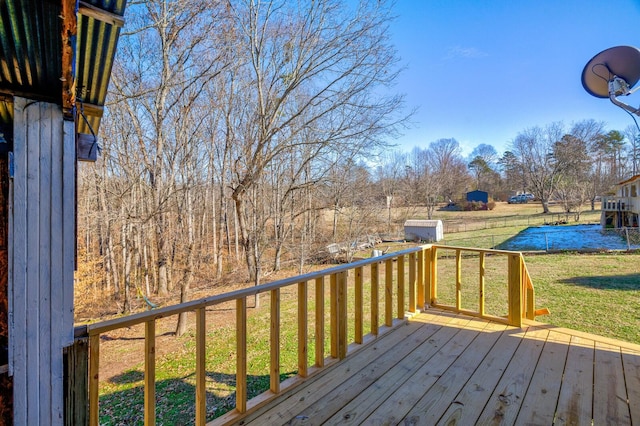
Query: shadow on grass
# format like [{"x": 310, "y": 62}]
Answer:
[
  {"x": 609, "y": 282},
  {"x": 175, "y": 398}
]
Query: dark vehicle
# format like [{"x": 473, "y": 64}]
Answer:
[{"x": 518, "y": 199}]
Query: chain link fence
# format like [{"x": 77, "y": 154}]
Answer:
[{"x": 557, "y": 238}]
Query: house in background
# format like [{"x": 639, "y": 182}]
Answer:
[
  {"x": 623, "y": 209},
  {"x": 479, "y": 196}
]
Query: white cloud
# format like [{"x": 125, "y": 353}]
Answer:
[{"x": 465, "y": 52}]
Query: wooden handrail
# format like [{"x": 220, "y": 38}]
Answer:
[{"x": 407, "y": 296}]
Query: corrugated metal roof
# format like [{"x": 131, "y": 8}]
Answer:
[{"x": 35, "y": 36}]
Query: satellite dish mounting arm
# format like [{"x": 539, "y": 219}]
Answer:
[{"x": 618, "y": 86}]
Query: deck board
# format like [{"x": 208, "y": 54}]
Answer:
[
  {"x": 576, "y": 391},
  {"x": 612, "y": 408},
  {"x": 443, "y": 368},
  {"x": 539, "y": 404},
  {"x": 438, "y": 398},
  {"x": 422, "y": 376},
  {"x": 631, "y": 366},
  {"x": 505, "y": 401}
]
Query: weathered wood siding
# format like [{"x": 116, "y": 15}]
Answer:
[{"x": 41, "y": 259}]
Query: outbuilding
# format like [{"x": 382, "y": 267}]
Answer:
[
  {"x": 477, "y": 195},
  {"x": 423, "y": 230}
]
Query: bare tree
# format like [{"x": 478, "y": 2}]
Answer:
[
  {"x": 168, "y": 53},
  {"x": 449, "y": 167},
  {"x": 309, "y": 65},
  {"x": 632, "y": 134},
  {"x": 534, "y": 149}
]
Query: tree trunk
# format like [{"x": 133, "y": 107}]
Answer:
[{"x": 185, "y": 288}]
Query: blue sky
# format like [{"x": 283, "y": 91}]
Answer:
[{"x": 480, "y": 71}]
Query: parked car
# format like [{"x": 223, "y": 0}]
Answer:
[{"x": 518, "y": 199}]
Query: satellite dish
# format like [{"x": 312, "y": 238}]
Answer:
[{"x": 613, "y": 72}]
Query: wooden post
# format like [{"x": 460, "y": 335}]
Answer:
[
  {"x": 515, "y": 290},
  {"x": 421, "y": 281},
  {"x": 388, "y": 293},
  {"x": 201, "y": 368},
  {"x": 359, "y": 306},
  {"x": 150, "y": 373},
  {"x": 458, "y": 279},
  {"x": 434, "y": 275},
  {"x": 319, "y": 322},
  {"x": 274, "y": 341},
  {"x": 412, "y": 283},
  {"x": 303, "y": 327},
  {"x": 41, "y": 265},
  {"x": 481, "y": 285},
  {"x": 94, "y": 379},
  {"x": 241, "y": 355},
  {"x": 77, "y": 383},
  {"x": 342, "y": 314},
  {"x": 333, "y": 301},
  {"x": 375, "y": 298},
  {"x": 401, "y": 282}
]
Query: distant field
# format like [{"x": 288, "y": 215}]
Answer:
[{"x": 501, "y": 210}]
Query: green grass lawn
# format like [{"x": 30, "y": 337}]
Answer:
[{"x": 595, "y": 293}]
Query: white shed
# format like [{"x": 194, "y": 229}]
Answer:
[{"x": 423, "y": 230}]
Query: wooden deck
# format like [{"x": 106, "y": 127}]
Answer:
[{"x": 443, "y": 368}]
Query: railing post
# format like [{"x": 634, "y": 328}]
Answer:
[
  {"x": 319, "y": 322},
  {"x": 375, "y": 298},
  {"x": 515, "y": 290},
  {"x": 358, "y": 308},
  {"x": 94, "y": 379},
  {"x": 333, "y": 324},
  {"x": 303, "y": 328},
  {"x": 401, "y": 281},
  {"x": 150, "y": 373},
  {"x": 201, "y": 370},
  {"x": 421, "y": 281},
  {"x": 241, "y": 354},
  {"x": 77, "y": 375},
  {"x": 412, "y": 282},
  {"x": 433, "y": 273},
  {"x": 342, "y": 314},
  {"x": 388, "y": 293},
  {"x": 458, "y": 279},
  {"x": 481, "y": 285},
  {"x": 274, "y": 339}
]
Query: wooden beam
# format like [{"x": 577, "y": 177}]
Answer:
[
  {"x": 91, "y": 109},
  {"x": 68, "y": 37},
  {"x": 90, "y": 11}
]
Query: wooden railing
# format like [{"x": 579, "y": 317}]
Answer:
[
  {"x": 410, "y": 286},
  {"x": 617, "y": 203}
]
